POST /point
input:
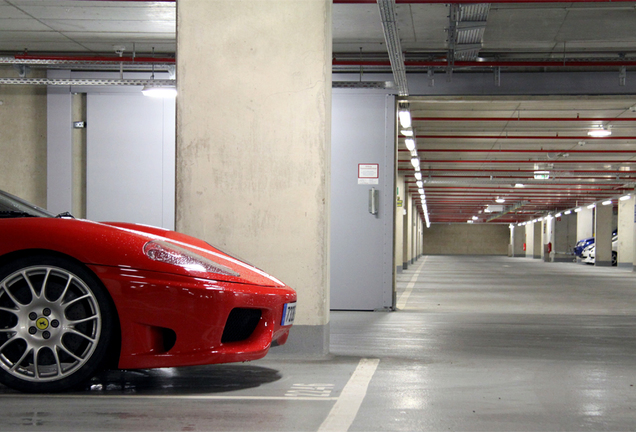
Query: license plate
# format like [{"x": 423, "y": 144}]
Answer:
[{"x": 289, "y": 312}]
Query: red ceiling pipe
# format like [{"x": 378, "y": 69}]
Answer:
[
  {"x": 486, "y": 161},
  {"x": 526, "y": 119},
  {"x": 535, "y": 137},
  {"x": 514, "y": 171},
  {"x": 486, "y": 176},
  {"x": 428, "y": 150},
  {"x": 472, "y": 1},
  {"x": 609, "y": 188},
  {"x": 100, "y": 59},
  {"x": 491, "y": 64}
]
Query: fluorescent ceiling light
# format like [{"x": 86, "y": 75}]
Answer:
[
  {"x": 410, "y": 144},
  {"x": 558, "y": 215},
  {"x": 500, "y": 200},
  {"x": 161, "y": 92},
  {"x": 519, "y": 185},
  {"x": 541, "y": 175},
  {"x": 405, "y": 118},
  {"x": 578, "y": 209},
  {"x": 469, "y": 221},
  {"x": 414, "y": 152},
  {"x": 599, "y": 132},
  {"x": 418, "y": 175},
  {"x": 415, "y": 161},
  {"x": 591, "y": 206},
  {"x": 475, "y": 218},
  {"x": 420, "y": 191},
  {"x": 407, "y": 132},
  {"x": 608, "y": 202},
  {"x": 625, "y": 197},
  {"x": 567, "y": 212},
  {"x": 420, "y": 184}
]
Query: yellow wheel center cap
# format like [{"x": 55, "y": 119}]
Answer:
[{"x": 42, "y": 323}]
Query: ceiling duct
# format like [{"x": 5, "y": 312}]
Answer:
[
  {"x": 393, "y": 45},
  {"x": 468, "y": 23},
  {"x": 362, "y": 84}
]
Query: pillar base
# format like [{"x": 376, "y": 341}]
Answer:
[{"x": 305, "y": 341}]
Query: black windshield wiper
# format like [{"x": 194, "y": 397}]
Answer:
[
  {"x": 65, "y": 215},
  {"x": 14, "y": 214}
]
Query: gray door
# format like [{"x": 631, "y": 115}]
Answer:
[
  {"x": 362, "y": 160},
  {"x": 130, "y": 159}
]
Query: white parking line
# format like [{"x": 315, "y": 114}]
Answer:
[
  {"x": 193, "y": 397},
  {"x": 346, "y": 407},
  {"x": 401, "y": 304}
]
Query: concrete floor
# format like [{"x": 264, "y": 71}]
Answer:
[{"x": 480, "y": 344}]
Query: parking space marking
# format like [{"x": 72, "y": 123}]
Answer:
[
  {"x": 191, "y": 397},
  {"x": 314, "y": 390},
  {"x": 401, "y": 304},
  {"x": 348, "y": 404}
]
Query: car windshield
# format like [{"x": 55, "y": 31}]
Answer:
[{"x": 14, "y": 207}]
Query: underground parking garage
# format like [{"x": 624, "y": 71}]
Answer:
[{"x": 423, "y": 300}]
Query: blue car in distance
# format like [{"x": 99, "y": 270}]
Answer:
[{"x": 582, "y": 244}]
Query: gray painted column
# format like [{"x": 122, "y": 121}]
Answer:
[
  {"x": 603, "y": 237},
  {"x": 584, "y": 224},
  {"x": 536, "y": 241},
  {"x": 564, "y": 238},
  {"x": 529, "y": 240},
  {"x": 253, "y": 142},
  {"x": 518, "y": 240},
  {"x": 626, "y": 233},
  {"x": 59, "y": 146}
]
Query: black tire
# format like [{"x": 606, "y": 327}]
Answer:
[
  {"x": 614, "y": 258},
  {"x": 56, "y": 324}
]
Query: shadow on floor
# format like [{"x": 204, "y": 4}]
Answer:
[{"x": 181, "y": 381}]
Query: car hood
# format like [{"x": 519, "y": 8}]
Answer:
[{"x": 122, "y": 245}]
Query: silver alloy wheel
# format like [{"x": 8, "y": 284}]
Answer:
[{"x": 50, "y": 323}]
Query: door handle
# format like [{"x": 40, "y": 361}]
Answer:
[{"x": 374, "y": 198}]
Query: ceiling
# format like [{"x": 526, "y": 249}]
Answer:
[{"x": 473, "y": 149}]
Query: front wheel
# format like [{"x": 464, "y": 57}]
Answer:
[{"x": 55, "y": 324}]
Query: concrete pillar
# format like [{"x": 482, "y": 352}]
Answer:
[
  {"x": 413, "y": 223},
  {"x": 253, "y": 132},
  {"x": 409, "y": 231},
  {"x": 399, "y": 223},
  {"x": 549, "y": 234},
  {"x": 529, "y": 240},
  {"x": 518, "y": 239},
  {"x": 536, "y": 241},
  {"x": 603, "y": 236},
  {"x": 584, "y": 223},
  {"x": 626, "y": 233},
  {"x": 564, "y": 238}
]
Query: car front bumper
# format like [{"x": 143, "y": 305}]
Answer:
[{"x": 171, "y": 320}]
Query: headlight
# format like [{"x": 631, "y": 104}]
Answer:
[{"x": 159, "y": 250}]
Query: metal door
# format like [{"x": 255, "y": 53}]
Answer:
[{"x": 362, "y": 200}]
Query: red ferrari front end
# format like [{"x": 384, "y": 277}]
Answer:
[
  {"x": 74, "y": 293},
  {"x": 192, "y": 304},
  {"x": 173, "y": 320}
]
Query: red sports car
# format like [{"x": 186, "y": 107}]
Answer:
[{"x": 77, "y": 296}]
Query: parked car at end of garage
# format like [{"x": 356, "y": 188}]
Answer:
[
  {"x": 589, "y": 253},
  {"x": 77, "y": 296},
  {"x": 581, "y": 245}
]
